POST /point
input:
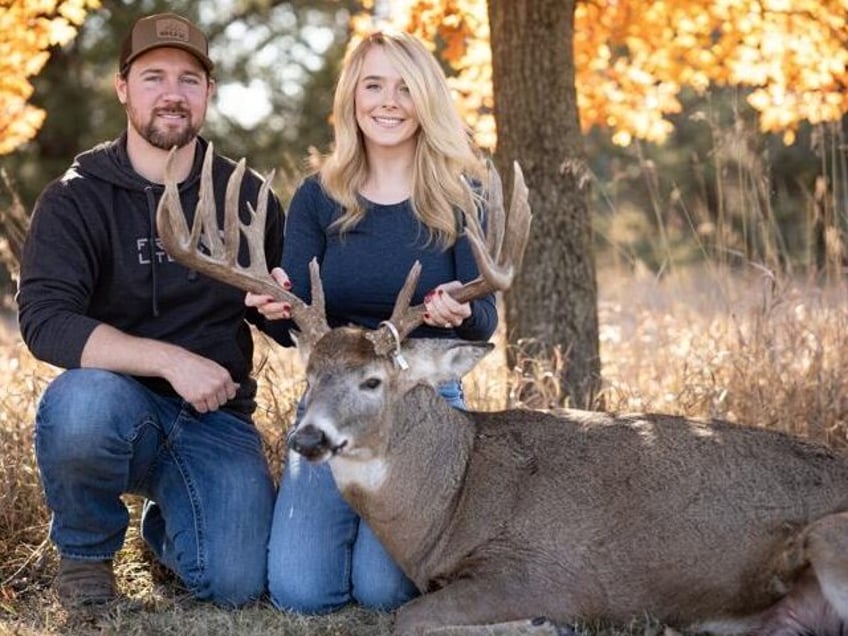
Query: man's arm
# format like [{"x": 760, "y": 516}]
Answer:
[{"x": 205, "y": 384}]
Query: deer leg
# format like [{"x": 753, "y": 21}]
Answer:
[
  {"x": 817, "y": 602},
  {"x": 474, "y": 607},
  {"x": 827, "y": 552},
  {"x": 804, "y": 610},
  {"x": 534, "y": 627}
]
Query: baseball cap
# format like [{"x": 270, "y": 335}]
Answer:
[{"x": 164, "y": 29}]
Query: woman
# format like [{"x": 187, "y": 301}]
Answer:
[{"x": 390, "y": 193}]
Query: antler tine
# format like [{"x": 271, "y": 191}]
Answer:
[
  {"x": 403, "y": 319},
  {"x": 498, "y": 254},
  {"x": 232, "y": 223},
  {"x": 317, "y": 304},
  {"x": 520, "y": 217},
  {"x": 203, "y": 250},
  {"x": 498, "y": 264},
  {"x": 495, "y": 209},
  {"x": 204, "y": 229},
  {"x": 256, "y": 247}
]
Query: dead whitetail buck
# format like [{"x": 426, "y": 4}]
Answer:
[{"x": 502, "y": 517}]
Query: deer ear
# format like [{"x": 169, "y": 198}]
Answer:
[{"x": 435, "y": 360}]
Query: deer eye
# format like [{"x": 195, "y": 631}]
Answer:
[{"x": 371, "y": 384}]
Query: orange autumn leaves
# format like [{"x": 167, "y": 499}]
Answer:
[
  {"x": 633, "y": 58},
  {"x": 27, "y": 29},
  {"x": 791, "y": 55}
]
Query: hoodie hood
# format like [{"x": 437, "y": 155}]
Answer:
[{"x": 110, "y": 162}]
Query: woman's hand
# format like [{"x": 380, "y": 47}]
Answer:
[
  {"x": 266, "y": 305},
  {"x": 442, "y": 310}
]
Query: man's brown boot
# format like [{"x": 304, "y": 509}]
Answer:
[{"x": 85, "y": 582}]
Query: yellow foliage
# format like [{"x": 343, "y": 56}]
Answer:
[
  {"x": 632, "y": 58},
  {"x": 27, "y": 29}
]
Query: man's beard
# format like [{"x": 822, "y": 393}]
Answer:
[{"x": 159, "y": 135}]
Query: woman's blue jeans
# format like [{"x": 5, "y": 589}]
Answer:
[
  {"x": 321, "y": 556},
  {"x": 209, "y": 492}
]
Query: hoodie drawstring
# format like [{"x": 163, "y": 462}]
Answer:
[{"x": 151, "y": 212}]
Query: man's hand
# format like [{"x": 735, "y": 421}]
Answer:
[{"x": 204, "y": 384}]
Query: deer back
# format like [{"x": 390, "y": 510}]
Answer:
[{"x": 632, "y": 509}]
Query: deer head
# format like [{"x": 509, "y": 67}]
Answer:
[{"x": 498, "y": 253}]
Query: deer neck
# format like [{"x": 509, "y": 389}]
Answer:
[{"x": 422, "y": 470}]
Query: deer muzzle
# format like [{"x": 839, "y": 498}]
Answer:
[{"x": 313, "y": 443}]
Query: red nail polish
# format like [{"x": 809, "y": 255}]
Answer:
[
  {"x": 426, "y": 315},
  {"x": 286, "y": 307},
  {"x": 287, "y": 284}
]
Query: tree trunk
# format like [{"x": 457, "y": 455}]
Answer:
[{"x": 553, "y": 303}]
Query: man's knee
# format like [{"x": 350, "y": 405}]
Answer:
[
  {"x": 80, "y": 408},
  {"x": 83, "y": 394}
]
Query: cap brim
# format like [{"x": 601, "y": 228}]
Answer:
[{"x": 204, "y": 61}]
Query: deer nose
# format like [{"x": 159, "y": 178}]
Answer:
[{"x": 310, "y": 441}]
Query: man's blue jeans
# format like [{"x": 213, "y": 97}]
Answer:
[
  {"x": 321, "y": 556},
  {"x": 209, "y": 492}
]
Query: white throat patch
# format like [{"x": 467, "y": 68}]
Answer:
[{"x": 369, "y": 475}]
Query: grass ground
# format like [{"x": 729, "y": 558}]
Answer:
[{"x": 744, "y": 346}]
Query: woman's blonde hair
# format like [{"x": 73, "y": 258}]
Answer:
[{"x": 445, "y": 157}]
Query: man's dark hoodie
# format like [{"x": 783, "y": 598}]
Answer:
[{"x": 92, "y": 256}]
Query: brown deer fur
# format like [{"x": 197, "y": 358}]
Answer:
[{"x": 519, "y": 514}]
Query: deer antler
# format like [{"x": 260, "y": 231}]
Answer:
[
  {"x": 216, "y": 256},
  {"x": 498, "y": 254}
]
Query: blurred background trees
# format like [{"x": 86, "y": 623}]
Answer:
[{"x": 275, "y": 64}]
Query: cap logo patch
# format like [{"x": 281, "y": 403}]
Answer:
[{"x": 169, "y": 29}]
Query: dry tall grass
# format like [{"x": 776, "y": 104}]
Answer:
[{"x": 745, "y": 346}]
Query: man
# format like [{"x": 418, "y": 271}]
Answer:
[{"x": 157, "y": 397}]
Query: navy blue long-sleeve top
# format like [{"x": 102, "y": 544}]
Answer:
[{"x": 363, "y": 269}]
